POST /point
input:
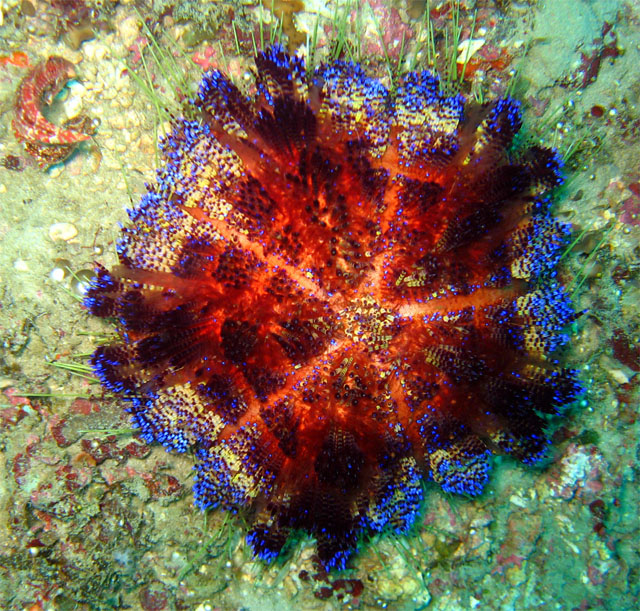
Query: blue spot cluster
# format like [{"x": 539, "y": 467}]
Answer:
[
  {"x": 399, "y": 502},
  {"x": 426, "y": 141},
  {"x": 550, "y": 310},
  {"x": 504, "y": 120},
  {"x": 468, "y": 477},
  {"x": 155, "y": 428}
]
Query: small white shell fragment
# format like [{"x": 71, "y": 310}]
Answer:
[
  {"x": 518, "y": 501},
  {"x": 94, "y": 50},
  {"x": 468, "y": 48},
  {"x": 57, "y": 274},
  {"x": 73, "y": 103},
  {"x": 619, "y": 376},
  {"x": 55, "y": 171},
  {"x": 20, "y": 265},
  {"x": 129, "y": 29},
  {"x": 62, "y": 232}
]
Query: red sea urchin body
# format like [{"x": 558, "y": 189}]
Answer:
[{"x": 332, "y": 292}]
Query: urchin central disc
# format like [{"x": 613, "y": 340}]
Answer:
[{"x": 366, "y": 321}]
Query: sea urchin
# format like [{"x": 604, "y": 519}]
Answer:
[{"x": 332, "y": 292}]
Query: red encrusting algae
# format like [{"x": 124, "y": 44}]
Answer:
[{"x": 47, "y": 142}]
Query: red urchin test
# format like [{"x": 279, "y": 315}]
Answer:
[{"x": 333, "y": 293}]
